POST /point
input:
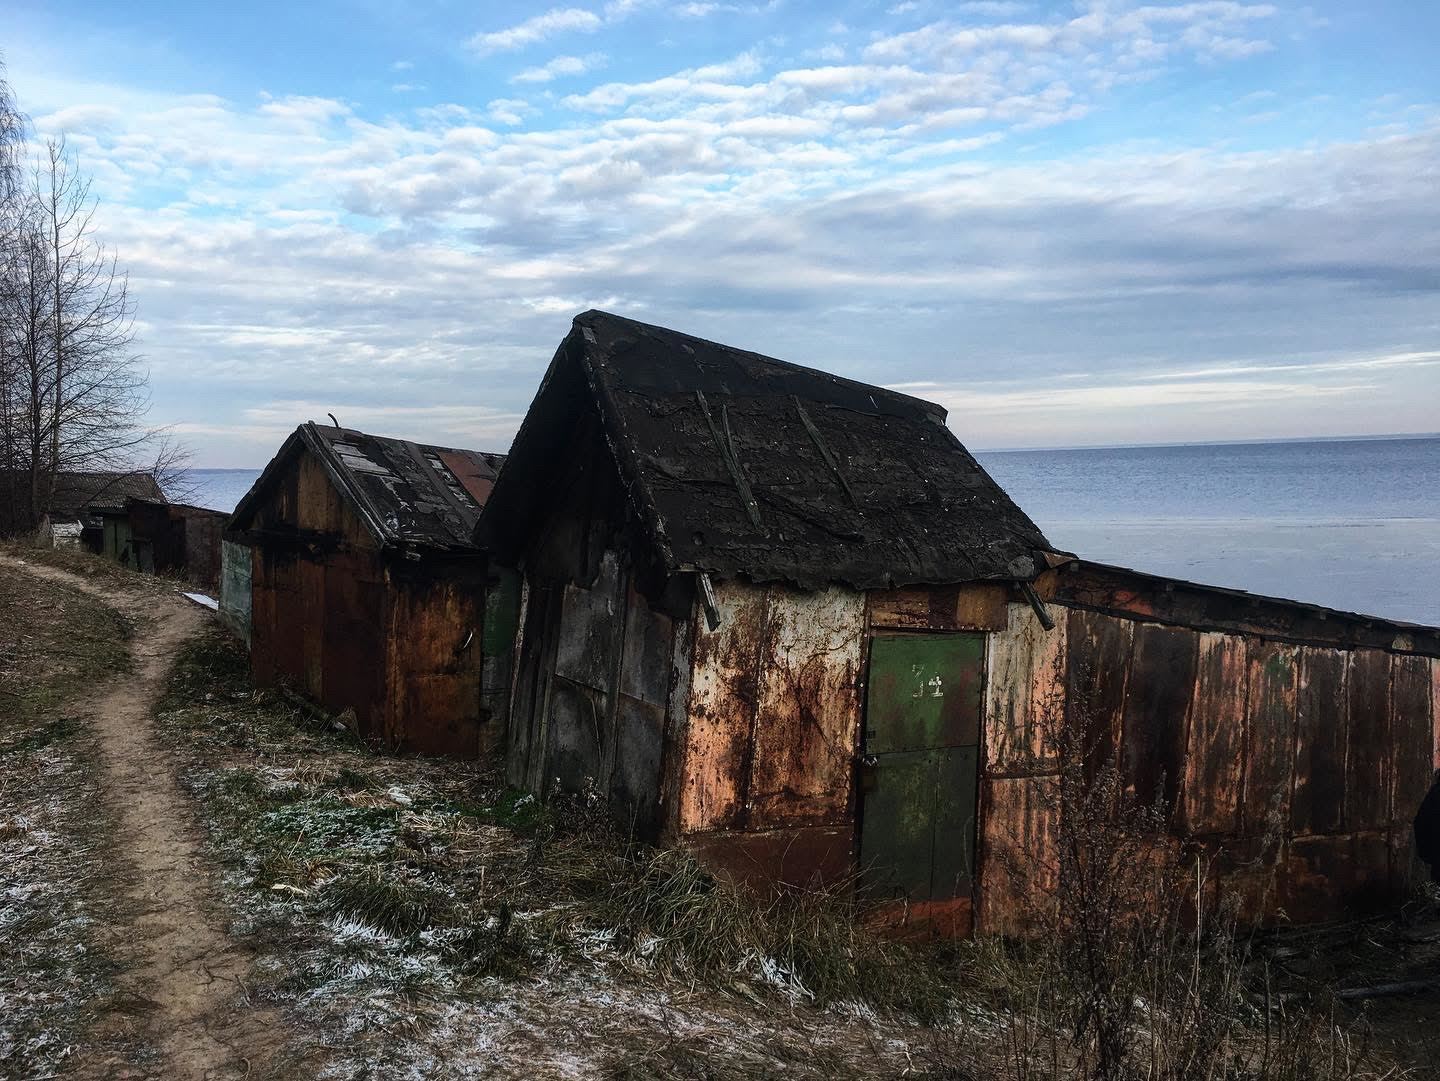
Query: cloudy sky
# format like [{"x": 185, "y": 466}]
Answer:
[{"x": 1071, "y": 223}]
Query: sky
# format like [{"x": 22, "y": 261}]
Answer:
[{"x": 1071, "y": 224}]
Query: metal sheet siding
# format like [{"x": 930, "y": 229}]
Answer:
[
  {"x": 1214, "y": 757},
  {"x": 1270, "y": 735},
  {"x": 723, "y": 695},
  {"x": 1025, "y": 694},
  {"x": 1368, "y": 772},
  {"x": 808, "y": 707},
  {"x": 1322, "y": 721}
]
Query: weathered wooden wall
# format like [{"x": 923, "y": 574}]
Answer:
[
  {"x": 332, "y": 619},
  {"x": 1297, "y": 769},
  {"x": 595, "y": 662}
]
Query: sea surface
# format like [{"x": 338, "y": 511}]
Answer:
[{"x": 1349, "y": 524}]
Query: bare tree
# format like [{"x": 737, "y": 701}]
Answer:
[{"x": 73, "y": 393}]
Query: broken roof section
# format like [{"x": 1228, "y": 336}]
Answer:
[
  {"x": 80, "y": 495},
  {"x": 407, "y": 494},
  {"x": 740, "y": 464}
]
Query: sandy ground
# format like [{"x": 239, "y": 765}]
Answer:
[{"x": 179, "y": 963}]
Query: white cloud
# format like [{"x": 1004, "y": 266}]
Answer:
[
  {"x": 853, "y": 216},
  {"x": 535, "y": 29},
  {"x": 560, "y": 66}
]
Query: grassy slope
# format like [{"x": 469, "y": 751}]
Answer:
[
  {"x": 55, "y": 644},
  {"x": 416, "y": 916}
]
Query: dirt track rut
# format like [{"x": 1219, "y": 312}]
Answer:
[{"x": 179, "y": 964}]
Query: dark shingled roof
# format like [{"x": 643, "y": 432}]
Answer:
[
  {"x": 740, "y": 464},
  {"x": 407, "y": 494},
  {"x": 78, "y": 495}
]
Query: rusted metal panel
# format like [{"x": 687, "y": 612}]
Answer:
[
  {"x": 807, "y": 718},
  {"x": 1328, "y": 877},
  {"x": 1435, "y": 706},
  {"x": 723, "y": 694},
  {"x": 1368, "y": 776},
  {"x": 973, "y": 607},
  {"x": 1410, "y": 706},
  {"x": 1214, "y": 756},
  {"x": 1019, "y": 877},
  {"x": 1270, "y": 736},
  {"x": 1150, "y": 597},
  {"x": 798, "y": 856},
  {"x": 1321, "y": 724},
  {"x": 475, "y": 472},
  {"x": 1157, "y": 702},
  {"x": 1025, "y": 693},
  {"x": 434, "y": 691},
  {"x": 1098, "y": 671}
]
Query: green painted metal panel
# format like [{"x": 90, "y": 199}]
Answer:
[
  {"x": 925, "y": 690},
  {"x": 897, "y": 843},
  {"x": 502, "y": 613},
  {"x": 956, "y": 772},
  {"x": 922, "y": 735}
]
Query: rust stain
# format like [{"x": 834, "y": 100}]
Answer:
[
  {"x": 1019, "y": 874},
  {"x": 1270, "y": 735},
  {"x": 808, "y": 707},
  {"x": 722, "y": 708},
  {"x": 1214, "y": 754},
  {"x": 1368, "y": 774},
  {"x": 1322, "y": 718},
  {"x": 973, "y": 607},
  {"x": 1435, "y": 706},
  {"x": 1026, "y": 693},
  {"x": 797, "y": 857}
]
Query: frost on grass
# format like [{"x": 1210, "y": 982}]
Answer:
[
  {"x": 54, "y": 975},
  {"x": 55, "y": 971},
  {"x": 416, "y": 919}
]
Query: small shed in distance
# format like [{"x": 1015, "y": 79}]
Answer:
[
  {"x": 787, "y": 620},
  {"x": 365, "y": 586},
  {"x": 160, "y": 538}
]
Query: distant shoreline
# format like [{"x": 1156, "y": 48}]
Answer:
[{"x": 1398, "y": 437}]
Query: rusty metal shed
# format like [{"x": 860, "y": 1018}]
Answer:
[
  {"x": 787, "y": 620},
  {"x": 164, "y": 538},
  {"x": 366, "y": 589}
]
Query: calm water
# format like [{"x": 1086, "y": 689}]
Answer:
[{"x": 1350, "y": 524}]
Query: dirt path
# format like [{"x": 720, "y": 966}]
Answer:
[{"x": 178, "y": 961}]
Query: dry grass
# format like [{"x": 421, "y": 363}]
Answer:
[
  {"x": 393, "y": 899},
  {"x": 58, "y": 969}
]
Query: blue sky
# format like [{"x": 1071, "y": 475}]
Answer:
[{"x": 1071, "y": 223}]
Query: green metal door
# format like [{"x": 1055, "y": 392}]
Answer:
[{"x": 922, "y": 737}]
